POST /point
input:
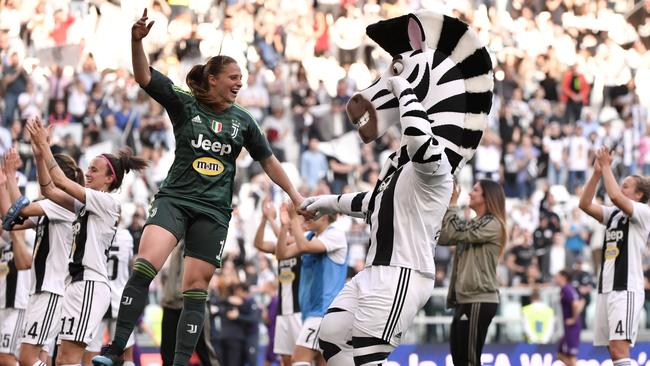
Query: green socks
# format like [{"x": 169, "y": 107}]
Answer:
[
  {"x": 190, "y": 324},
  {"x": 134, "y": 299}
]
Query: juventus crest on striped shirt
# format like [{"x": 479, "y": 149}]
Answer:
[{"x": 449, "y": 71}]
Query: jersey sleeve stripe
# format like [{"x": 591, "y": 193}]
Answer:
[{"x": 181, "y": 91}]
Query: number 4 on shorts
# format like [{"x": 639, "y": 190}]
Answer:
[
  {"x": 619, "y": 328},
  {"x": 32, "y": 330}
]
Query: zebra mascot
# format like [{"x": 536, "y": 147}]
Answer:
[{"x": 438, "y": 87}]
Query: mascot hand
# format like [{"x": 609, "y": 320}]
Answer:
[
  {"x": 321, "y": 205},
  {"x": 397, "y": 85}
]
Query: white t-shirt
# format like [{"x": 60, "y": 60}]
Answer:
[
  {"x": 51, "y": 248},
  {"x": 625, "y": 239},
  {"x": 93, "y": 232},
  {"x": 578, "y": 153},
  {"x": 336, "y": 244}
]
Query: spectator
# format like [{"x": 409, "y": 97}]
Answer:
[
  {"x": 572, "y": 306},
  {"x": 578, "y": 155},
  {"x": 59, "y": 116},
  {"x": 538, "y": 320},
  {"x": 77, "y": 100},
  {"x": 277, "y": 128},
  {"x": 254, "y": 97},
  {"x": 62, "y": 23},
  {"x": 521, "y": 256},
  {"x": 14, "y": 82},
  {"x": 313, "y": 166},
  {"x": 240, "y": 316},
  {"x": 479, "y": 245},
  {"x": 31, "y": 102},
  {"x": 575, "y": 93},
  {"x": 582, "y": 281}
]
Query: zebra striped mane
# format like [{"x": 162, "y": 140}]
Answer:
[{"x": 456, "y": 85}]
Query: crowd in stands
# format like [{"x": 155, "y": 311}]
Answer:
[{"x": 568, "y": 79}]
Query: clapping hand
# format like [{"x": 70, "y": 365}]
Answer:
[
  {"x": 268, "y": 210},
  {"x": 603, "y": 157},
  {"x": 12, "y": 162},
  {"x": 38, "y": 134}
]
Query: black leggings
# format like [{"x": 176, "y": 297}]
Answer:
[{"x": 468, "y": 331}]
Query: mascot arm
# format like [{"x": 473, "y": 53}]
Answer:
[
  {"x": 424, "y": 151},
  {"x": 352, "y": 204}
]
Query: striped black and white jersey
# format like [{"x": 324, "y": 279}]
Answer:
[
  {"x": 93, "y": 232},
  {"x": 14, "y": 284},
  {"x": 51, "y": 248},
  {"x": 411, "y": 196},
  {"x": 626, "y": 236},
  {"x": 289, "y": 278},
  {"x": 118, "y": 266}
]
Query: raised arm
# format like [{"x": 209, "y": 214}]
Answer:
[
  {"x": 611, "y": 186},
  {"x": 303, "y": 244},
  {"x": 22, "y": 255},
  {"x": 424, "y": 151},
  {"x": 284, "y": 249},
  {"x": 139, "y": 30},
  {"x": 12, "y": 193},
  {"x": 589, "y": 191},
  {"x": 259, "y": 242},
  {"x": 53, "y": 182}
]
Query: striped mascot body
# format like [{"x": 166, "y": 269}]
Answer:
[{"x": 438, "y": 88}]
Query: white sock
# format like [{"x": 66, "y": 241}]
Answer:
[
  {"x": 128, "y": 363},
  {"x": 301, "y": 363}
]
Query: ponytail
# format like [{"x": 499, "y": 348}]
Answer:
[
  {"x": 121, "y": 164},
  {"x": 197, "y": 78},
  {"x": 70, "y": 168}
]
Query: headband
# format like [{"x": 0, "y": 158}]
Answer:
[{"x": 109, "y": 164}]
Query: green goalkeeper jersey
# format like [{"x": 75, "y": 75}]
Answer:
[{"x": 207, "y": 145}]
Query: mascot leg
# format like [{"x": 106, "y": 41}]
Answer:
[
  {"x": 335, "y": 337},
  {"x": 369, "y": 350}
]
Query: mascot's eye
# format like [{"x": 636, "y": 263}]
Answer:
[{"x": 397, "y": 67}]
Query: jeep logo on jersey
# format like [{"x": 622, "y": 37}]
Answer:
[
  {"x": 207, "y": 145},
  {"x": 614, "y": 235},
  {"x": 208, "y": 166}
]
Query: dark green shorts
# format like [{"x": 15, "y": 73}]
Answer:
[{"x": 204, "y": 236}]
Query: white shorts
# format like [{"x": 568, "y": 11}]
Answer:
[
  {"x": 96, "y": 344},
  {"x": 287, "y": 329},
  {"x": 384, "y": 301},
  {"x": 84, "y": 306},
  {"x": 43, "y": 318},
  {"x": 11, "y": 329},
  {"x": 308, "y": 336},
  {"x": 617, "y": 316}
]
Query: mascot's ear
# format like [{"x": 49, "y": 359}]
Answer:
[
  {"x": 398, "y": 35},
  {"x": 416, "y": 35}
]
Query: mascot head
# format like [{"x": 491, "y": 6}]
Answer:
[{"x": 449, "y": 71}]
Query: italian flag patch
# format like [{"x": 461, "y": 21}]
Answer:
[{"x": 216, "y": 126}]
